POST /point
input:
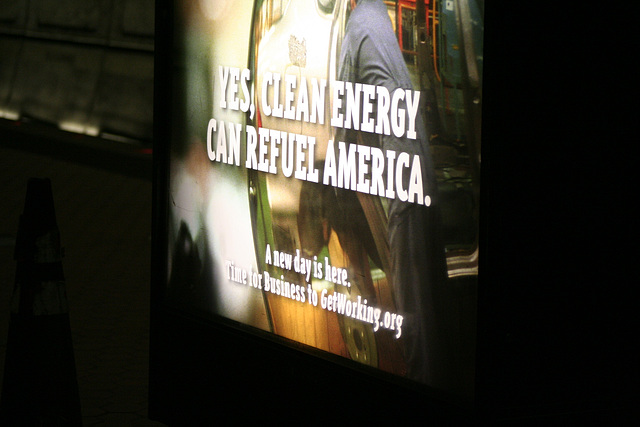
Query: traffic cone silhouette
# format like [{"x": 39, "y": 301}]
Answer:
[{"x": 40, "y": 385}]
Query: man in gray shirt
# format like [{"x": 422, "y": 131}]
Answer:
[{"x": 370, "y": 55}]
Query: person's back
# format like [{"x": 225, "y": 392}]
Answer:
[
  {"x": 370, "y": 55},
  {"x": 379, "y": 59}
]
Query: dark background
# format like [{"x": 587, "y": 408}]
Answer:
[{"x": 556, "y": 303}]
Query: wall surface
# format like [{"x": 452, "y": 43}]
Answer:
[{"x": 85, "y": 67}]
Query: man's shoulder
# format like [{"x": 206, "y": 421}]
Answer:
[{"x": 368, "y": 17}]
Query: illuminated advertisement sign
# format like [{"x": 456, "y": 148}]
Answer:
[{"x": 323, "y": 177}]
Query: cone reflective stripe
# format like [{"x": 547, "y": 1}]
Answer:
[
  {"x": 40, "y": 287},
  {"x": 39, "y": 385}
]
